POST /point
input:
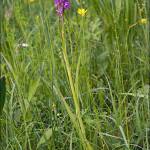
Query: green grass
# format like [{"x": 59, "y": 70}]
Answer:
[{"x": 80, "y": 83}]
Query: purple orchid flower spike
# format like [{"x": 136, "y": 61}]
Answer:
[{"x": 61, "y": 5}]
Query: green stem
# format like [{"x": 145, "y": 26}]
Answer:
[{"x": 74, "y": 94}]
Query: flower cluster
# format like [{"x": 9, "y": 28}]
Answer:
[{"x": 61, "y": 5}]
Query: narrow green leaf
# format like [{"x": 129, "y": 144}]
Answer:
[
  {"x": 124, "y": 137},
  {"x": 118, "y": 7}
]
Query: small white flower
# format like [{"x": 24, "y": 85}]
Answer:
[
  {"x": 21, "y": 46},
  {"x": 24, "y": 45},
  {"x": 58, "y": 114}
]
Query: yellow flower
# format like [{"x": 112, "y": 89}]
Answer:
[
  {"x": 81, "y": 11},
  {"x": 143, "y": 21},
  {"x": 31, "y": 1}
]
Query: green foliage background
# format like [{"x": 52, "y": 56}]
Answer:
[{"x": 78, "y": 84}]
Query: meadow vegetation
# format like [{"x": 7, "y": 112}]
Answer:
[{"x": 77, "y": 82}]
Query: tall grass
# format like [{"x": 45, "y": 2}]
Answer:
[{"x": 80, "y": 83}]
